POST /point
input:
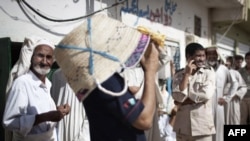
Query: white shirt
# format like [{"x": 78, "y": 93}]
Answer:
[{"x": 27, "y": 98}]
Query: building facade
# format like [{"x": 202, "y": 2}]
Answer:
[{"x": 224, "y": 23}]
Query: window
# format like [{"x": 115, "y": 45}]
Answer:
[
  {"x": 173, "y": 49},
  {"x": 197, "y": 26}
]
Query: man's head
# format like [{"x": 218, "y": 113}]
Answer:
[
  {"x": 247, "y": 59},
  {"x": 85, "y": 52},
  {"x": 42, "y": 60},
  {"x": 230, "y": 62},
  {"x": 196, "y": 52},
  {"x": 238, "y": 61},
  {"x": 23, "y": 65},
  {"x": 212, "y": 56}
]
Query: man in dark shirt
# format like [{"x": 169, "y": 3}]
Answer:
[
  {"x": 90, "y": 58},
  {"x": 124, "y": 118}
]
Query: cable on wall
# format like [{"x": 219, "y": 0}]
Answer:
[
  {"x": 235, "y": 21},
  {"x": 67, "y": 20}
]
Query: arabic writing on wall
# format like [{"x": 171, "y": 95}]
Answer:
[{"x": 161, "y": 15}]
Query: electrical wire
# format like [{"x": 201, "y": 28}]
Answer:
[
  {"x": 67, "y": 20},
  {"x": 35, "y": 21},
  {"x": 235, "y": 21}
]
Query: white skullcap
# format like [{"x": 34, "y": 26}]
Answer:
[
  {"x": 216, "y": 49},
  {"x": 22, "y": 65}
]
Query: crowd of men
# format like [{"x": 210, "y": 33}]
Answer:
[{"x": 134, "y": 103}]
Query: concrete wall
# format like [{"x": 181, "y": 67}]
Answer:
[
  {"x": 17, "y": 25},
  {"x": 174, "y": 18}
]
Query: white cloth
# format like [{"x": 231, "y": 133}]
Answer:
[
  {"x": 27, "y": 98},
  {"x": 159, "y": 132},
  {"x": 232, "y": 108},
  {"x": 23, "y": 63},
  {"x": 166, "y": 130},
  {"x": 167, "y": 103},
  {"x": 135, "y": 77},
  {"x": 222, "y": 78},
  {"x": 74, "y": 126}
]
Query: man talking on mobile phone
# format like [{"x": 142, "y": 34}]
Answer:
[{"x": 193, "y": 88}]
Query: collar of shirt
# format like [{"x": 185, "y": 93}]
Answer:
[
  {"x": 201, "y": 70},
  {"x": 38, "y": 82}
]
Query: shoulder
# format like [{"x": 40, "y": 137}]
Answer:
[
  {"x": 179, "y": 70},
  {"x": 20, "y": 84},
  {"x": 208, "y": 68},
  {"x": 23, "y": 78},
  {"x": 178, "y": 75},
  {"x": 58, "y": 76},
  {"x": 222, "y": 70},
  {"x": 57, "y": 71},
  {"x": 224, "y": 67},
  {"x": 241, "y": 70},
  {"x": 233, "y": 72},
  {"x": 237, "y": 73}
]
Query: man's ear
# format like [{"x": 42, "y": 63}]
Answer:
[{"x": 189, "y": 58}]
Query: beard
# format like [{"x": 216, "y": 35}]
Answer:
[
  {"x": 41, "y": 71},
  {"x": 212, "y": 63}
]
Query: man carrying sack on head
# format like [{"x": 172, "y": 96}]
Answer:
[{"x": 92, "y": 59}]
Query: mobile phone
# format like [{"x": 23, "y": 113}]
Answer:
[{"x": 194, "y": 62}]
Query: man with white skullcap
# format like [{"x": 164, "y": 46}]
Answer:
[
  {"x": 223, "y": 77},
  {"x": 30, "y": 112}
]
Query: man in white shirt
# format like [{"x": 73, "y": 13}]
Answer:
[
  {"x": 223, "y": 77},
  {"x": 232, "y": 100},
  {"x": 30, "y": 112}
]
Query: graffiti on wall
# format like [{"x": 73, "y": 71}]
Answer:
[{"x": 162, "y": 14}]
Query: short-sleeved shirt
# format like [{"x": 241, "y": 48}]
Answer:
[
  {"x": 111, "y": 117},
  {"x": 28, "y": 97},
  {"x": 195, "y": 119},
  {"x": 201, "y": 86}
]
